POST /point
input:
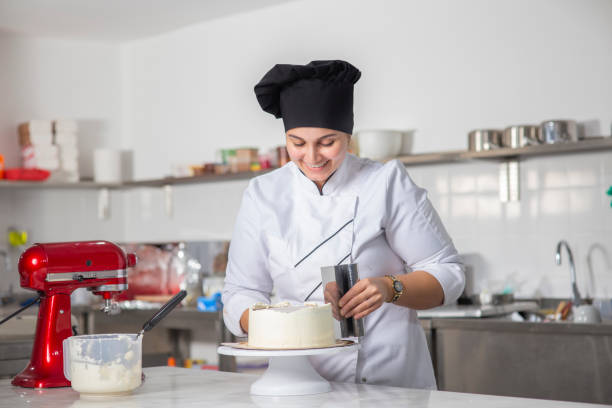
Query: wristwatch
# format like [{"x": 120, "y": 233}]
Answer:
[{"x": 398, "y": 287}]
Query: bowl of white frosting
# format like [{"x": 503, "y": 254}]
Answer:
[{"x": 103, "y": 364}]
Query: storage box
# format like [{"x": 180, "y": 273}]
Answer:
[{"x": 246, "y": 156}]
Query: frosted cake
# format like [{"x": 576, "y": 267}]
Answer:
[{"x": 286, "y": 326}]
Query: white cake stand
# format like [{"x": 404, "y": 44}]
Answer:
[{"x": 289, "y": 371}]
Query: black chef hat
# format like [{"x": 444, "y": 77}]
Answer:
[{"x": 319, "y": 94}]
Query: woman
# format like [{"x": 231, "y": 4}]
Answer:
[{"x": 328, "y": 207}]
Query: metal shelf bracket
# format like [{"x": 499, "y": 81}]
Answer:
[
  {"x": 169, "y": 200},
  {"x": 103, "y": 204},
  {"x": 509, "y": 181}
]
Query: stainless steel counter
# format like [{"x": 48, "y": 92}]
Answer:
[
  {"x": 460, "y": 311},
  {"x": 501, "y": 324},
  {"x": 563, "y": 361},
  {"x": 183, "y": 388}
]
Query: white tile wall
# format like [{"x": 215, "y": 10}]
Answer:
[
  {"x": 66, "y": 215},
  {"x": 200, "y": 212},
  {"x": 513, "y": 244},
  {"x": 510, "y": 244},
  {"x": 7, "y": 213}
]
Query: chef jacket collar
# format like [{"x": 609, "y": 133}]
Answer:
[{"x": 333, "y": 184}]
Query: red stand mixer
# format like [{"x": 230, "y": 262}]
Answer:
[{"x": 55, "y": 271}]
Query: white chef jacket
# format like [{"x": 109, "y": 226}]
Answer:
[{"x": 368, "y": 213}]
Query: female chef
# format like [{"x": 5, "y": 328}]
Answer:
[{"x": 327, "y": 207}]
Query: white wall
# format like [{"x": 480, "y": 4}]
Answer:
[
  {"x": 7, "y": 277},
  {"x": 439, "y": 68},
  {"x": 50, "y": 79},
  {"x": 199, "y": 212},
  {"x": 513, "y": 244}
]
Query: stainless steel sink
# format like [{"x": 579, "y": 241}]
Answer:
[{"x": 458, "y": 311}]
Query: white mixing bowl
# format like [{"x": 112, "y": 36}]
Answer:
[
  {"x": 379, "y": 144},
  {"x": 103, "y": 364}
]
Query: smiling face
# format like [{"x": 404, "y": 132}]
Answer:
[{"x": 318, "y": 152}]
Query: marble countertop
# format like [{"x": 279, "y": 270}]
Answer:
[{"x": 182, "y": 387}]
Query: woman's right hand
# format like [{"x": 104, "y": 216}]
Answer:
[
  {"x": 332, "y": 296},
  {"x": 244, "y": 321}
]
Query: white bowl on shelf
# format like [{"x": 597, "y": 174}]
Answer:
[{"x": 379, "y": 144}]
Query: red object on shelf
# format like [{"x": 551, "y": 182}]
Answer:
[
  {"x": 26, "y": 174},
  {"x": 209, "y": 367}
]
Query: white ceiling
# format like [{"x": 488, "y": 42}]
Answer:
[{"x": 114, "y": 20}]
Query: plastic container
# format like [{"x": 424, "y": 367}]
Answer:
[
  {"x": 103, "y": 364},
  {"x": 245, "y": 156},
  {"x": 232, "y": 161},
  {"x": 184, "y": 272},
  {"x": 26, "y": 174},
  {"x": 210, "y": 303},
  {"x": 265, "y": 161},
  {"x": 107, "y": 166},
  {"x": 282, "y": 156}
]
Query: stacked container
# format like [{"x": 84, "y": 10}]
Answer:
[
  {"x": 65, "y": 132},
  {"x": 37, "y": 149}
]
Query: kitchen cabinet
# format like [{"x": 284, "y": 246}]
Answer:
[
  {"x": 16, "y": 340},
  {"x": 563, "y": 361},
  {"x": 14, "y": 354}
]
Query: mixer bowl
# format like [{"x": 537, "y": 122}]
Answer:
[{"x": 103, "y": 364}]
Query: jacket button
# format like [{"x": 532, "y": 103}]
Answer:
[{"x": 363, "y": 379}]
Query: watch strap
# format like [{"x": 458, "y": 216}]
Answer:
[{"x": 396, "y": 293}]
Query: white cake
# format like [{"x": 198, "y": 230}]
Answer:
[{"x": 285, "y": 326}]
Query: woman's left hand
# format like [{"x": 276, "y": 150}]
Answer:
[{"x": 365, "y": 296}]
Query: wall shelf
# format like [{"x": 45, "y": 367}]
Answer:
[
  {"x": 588, "y": 145},
  {"x": 56, "y": 185},
  {"x": 168, "y": 181},
  {"x": 206, "y": 178},
  {"x": 455, "y": 156}
]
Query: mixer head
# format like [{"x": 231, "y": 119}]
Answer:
[{"x": 100, "y": 266}]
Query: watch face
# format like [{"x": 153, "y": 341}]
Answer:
[{"x": 397, "y": 286}]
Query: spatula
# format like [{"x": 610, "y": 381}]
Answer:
[{"x": 162, "y": 312}]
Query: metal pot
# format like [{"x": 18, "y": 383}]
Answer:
[
  {"x": 559, "y": 131},
  {"x": 486, "y": 298},
  {"x": 484, "y": 139},
  {"x": 521, "y": 136}
]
